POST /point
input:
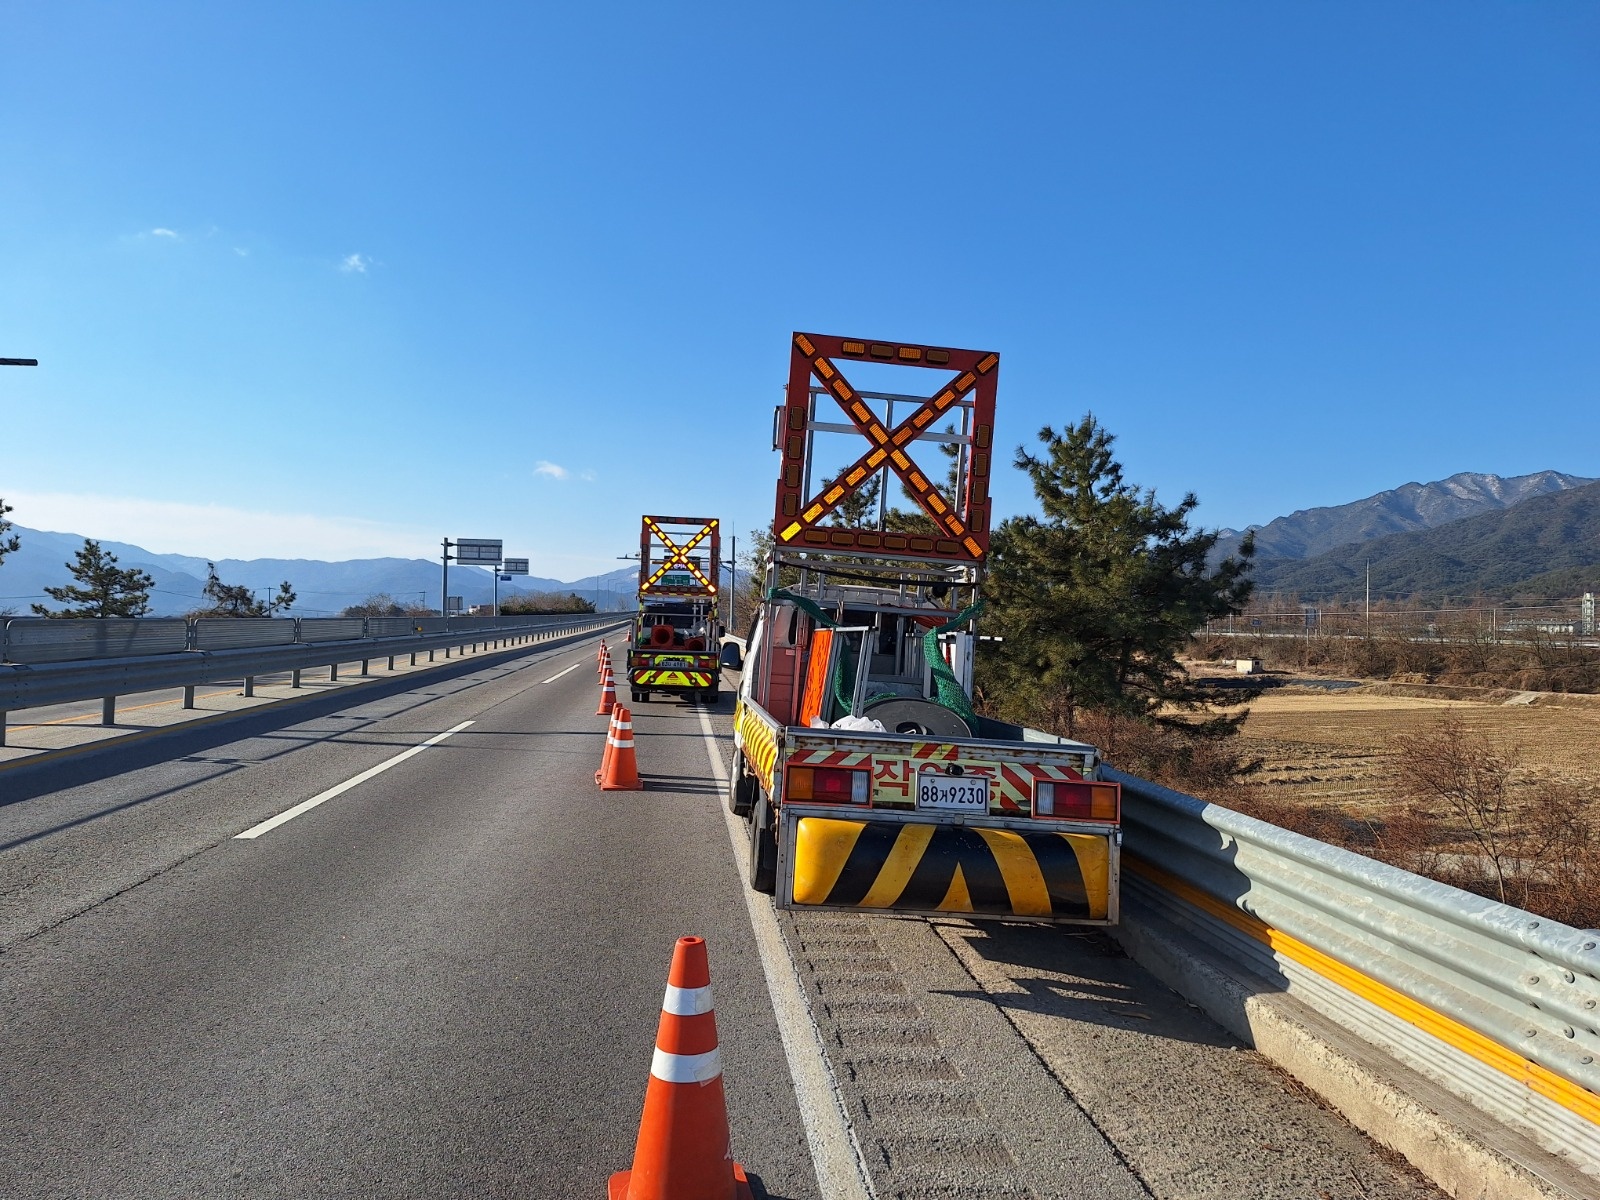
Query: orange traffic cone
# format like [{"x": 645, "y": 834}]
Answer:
[
  {"x": 602, "y": 659},
  {"x": 611, "y": 738},
  {"x": 608, "y": 695},
  {"x": 621, "y": 769},
  {"x": 683, "y": 1151}
]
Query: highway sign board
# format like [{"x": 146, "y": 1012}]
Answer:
[
  {"x": 515, "y": 566},
  {"x": 479, "y": 550}
]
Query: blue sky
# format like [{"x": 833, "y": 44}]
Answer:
[{"x": 337, "y": 280}]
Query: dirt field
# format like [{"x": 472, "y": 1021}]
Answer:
[{"x": 1333, "y": 748}]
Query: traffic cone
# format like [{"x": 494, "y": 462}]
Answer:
[
  {"x": 602, "y": 659},
  {"x": 683, "y": 1151},
  {"x": 621, "y": 768},
  {"x": 611, "y": 736},
  {"x": 608, "y": 695}
]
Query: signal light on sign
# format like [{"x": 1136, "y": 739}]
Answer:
[{"x": 1073, "y": 801}]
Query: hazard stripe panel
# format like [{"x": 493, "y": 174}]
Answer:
[
  {"x": 950, "y": 868},
  {"x": 757, "y": 742}
]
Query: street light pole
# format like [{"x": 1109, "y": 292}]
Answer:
[{"x": 444, "y": 580}]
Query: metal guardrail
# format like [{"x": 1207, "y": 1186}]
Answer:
[
  {"x": 1497, "y": 1005},
  {"x": 178, "y": 654}
]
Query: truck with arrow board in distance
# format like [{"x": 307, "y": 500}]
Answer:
[
  {"x": 674, "y": 646},
  {"x": 867, "y": 780}
]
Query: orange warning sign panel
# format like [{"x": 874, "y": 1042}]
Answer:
[
  {"x": 961, "y": 523},
  {"x": 678, "y": 556}
]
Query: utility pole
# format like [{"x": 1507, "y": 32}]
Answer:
[
  {"x": 444, "y": 580},
  {"x": 1369, "y": 599}
]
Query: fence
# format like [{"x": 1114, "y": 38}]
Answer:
[{"x": 1497, "y": 1006}]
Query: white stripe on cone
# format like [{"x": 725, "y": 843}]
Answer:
[
  {"x": 687, "y": 1002},
  {"x": 686, "y": 1068}
]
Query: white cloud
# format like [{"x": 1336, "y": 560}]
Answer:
[
  {"x": 241, "y": 252},
  {"x": 166, "y": 233},
  {"x": 355, "y": 264},
  {"x": 586, "y": 476},
  {"x": 551, "y": 469},
  {"x": 214, "y": 530}
]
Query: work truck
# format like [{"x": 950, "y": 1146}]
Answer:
[
  {"x": 674, "y": 646},
  {"x": 866, "y": 778}
]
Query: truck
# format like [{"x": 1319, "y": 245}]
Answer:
[
  {"x": 674, "y": 647},
  {"x": 867, "y": 780}
]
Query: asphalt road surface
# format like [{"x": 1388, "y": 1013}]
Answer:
[{"x": 444, "y": 980}]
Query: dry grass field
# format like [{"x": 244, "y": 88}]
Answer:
[
  {"x": 1491, "y": 790},
  {"x": 1336, "y": 748}
]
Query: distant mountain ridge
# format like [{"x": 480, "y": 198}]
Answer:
[
  {"x": 1548, "y": 545},
  {"x": 324, "y": 588},
  {"x": 1411, "y": 507}
]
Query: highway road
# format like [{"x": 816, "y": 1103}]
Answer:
[{"x": 443, "y": 978}]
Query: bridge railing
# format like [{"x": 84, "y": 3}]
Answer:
[
  {"x": 45, "y": 662},
  {"x": 1496, "y": 1005}
]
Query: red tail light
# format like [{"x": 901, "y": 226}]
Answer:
[
  {"x": 828, "y": 785},
  {"x": 1068, "y": 800}
]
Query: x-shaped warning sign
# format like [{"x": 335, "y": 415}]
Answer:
[
  {"x": 961, "y": 522},
  {"x": 678, "y": 556}
]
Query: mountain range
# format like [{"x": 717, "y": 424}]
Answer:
[
  {"x": 323, "y": 588},
  {"x": 1405, "y": 509},
  {"x": 1545, "y": 546}
]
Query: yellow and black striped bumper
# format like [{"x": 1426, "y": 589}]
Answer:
[{"x": 920, "y": 867}]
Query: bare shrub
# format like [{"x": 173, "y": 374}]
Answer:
[
  {"x": 1451, "y": 771},
  {"x": 1188, "y": 759}
]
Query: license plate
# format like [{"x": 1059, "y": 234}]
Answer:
[
  {"x": 673, "y": 664},
  {"x": 953, "y": 793}
]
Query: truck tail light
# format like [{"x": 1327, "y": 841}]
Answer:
[
  {"x": 828, "y": 785},
  {"x": 1073, "y": 801}
]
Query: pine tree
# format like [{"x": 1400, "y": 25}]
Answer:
[
  {"x": 236, "y": 600},
  {"x": 103, "y": 588},
  {"x": 8, "y": 545},
  {"x": 1096, "y": 598}
]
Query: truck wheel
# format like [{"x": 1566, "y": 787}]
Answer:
[
  {"x": 644, "y": 698},
  {"x": 763, "y": 850},
  {"x": 741, "y": 788},
  {"x": 710, "y": 698}
]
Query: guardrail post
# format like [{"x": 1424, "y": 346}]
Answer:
[
  {"x": 333, "y": 672},
  {"x": 2, "y": 728},
  {"x": 108, "y": 710},
  {"x": 249, "y": 685},
  {"x": 296, "y": 682},
  {"x": 364, "y": 663},
  {"x": 430, "y": 655},
  {"x": 391, "y": 662},
  {"x": 446, "y": 652},
  {"x": 188, "y": 695},
  {"x": 413, "y": 658}
]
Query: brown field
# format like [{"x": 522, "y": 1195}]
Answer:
[{"x": 1334, "y": 748}]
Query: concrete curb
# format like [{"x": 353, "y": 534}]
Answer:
[{"x": 1444, "y": 1137}]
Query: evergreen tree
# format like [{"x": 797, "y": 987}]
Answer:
[
  {"x": 1096, "y": 598},
  {"x": 236, "y": 600},
  {"x": 103, "y": 588},
  {"x": 8, "y": 545}
]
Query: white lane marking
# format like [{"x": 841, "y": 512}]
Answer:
[
  {"x": 835, "y": 1155},
  {"x": 306, "y": 806},
  {"x": 568, "y": 671}
]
